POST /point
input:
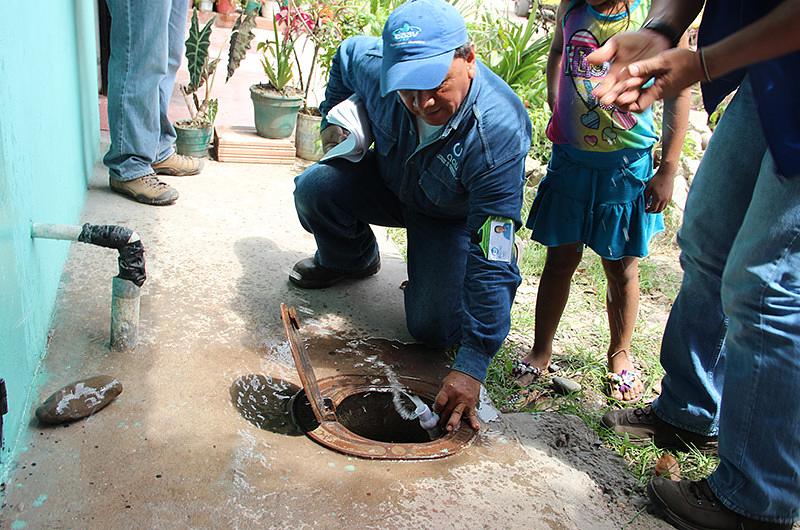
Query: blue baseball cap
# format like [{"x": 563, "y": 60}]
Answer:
[{"x": 419, "y": 39}]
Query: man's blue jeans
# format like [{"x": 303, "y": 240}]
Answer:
[
  {"x": 338, "y": 200},
  {"x": 731, "y": 349},
  {"x": 146, "y": 49}
]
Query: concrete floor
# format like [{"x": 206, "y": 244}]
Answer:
[{"x": 174, "y": 451}]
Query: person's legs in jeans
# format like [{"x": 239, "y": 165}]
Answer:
[
  {"x": 693, "y": 349},
  {"x": 136, "y": 67},
  {"x": 337, "y": 201},
  {"x": 437, "y": 261},
  {"x": 175, "y": 44},
  {"x": 759, "y": 434}
]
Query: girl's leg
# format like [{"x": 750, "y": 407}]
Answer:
[
  {"x": 550, "y": 302},
  {"x": 622, "y": 304}
]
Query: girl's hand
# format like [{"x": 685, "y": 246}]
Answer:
[{"x": 658, "y": 192}]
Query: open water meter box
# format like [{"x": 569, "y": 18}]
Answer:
[{"x": 368, "y": 416}]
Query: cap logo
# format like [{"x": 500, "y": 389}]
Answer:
[{"x": 405, "y": 33}]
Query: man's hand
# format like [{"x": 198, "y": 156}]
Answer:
[
  {"x": 673, "y": 71},
  {"x": 658, "y": 192},
  {"x": 458, "y": 398},
  {"x": 622, "y": 50},
  {"x": 331, "y": 136}
]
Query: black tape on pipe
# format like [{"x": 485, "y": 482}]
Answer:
[{"x": 131, "y": 255}]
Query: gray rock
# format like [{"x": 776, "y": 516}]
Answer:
[
  {"x": 563, "y": 385},
  {"x": 79, "y": 399}
]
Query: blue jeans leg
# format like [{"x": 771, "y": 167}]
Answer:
[
  {"x": 176, "y": 33},
  {"x": 138, "y": 64},
  {"x": 337, "y": 201},
  {"x": 759, "y": 435},
  {"x": 437, "y": 263},
  {"x": 693, "y": 347}
]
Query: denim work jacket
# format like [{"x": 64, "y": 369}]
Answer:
[{"x": 474, "y": 169}]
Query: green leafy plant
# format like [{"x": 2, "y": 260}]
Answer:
[
  {"x": 514, "y": 52},
  {"x": 241, "y": 37},
  {"x": 203, "y": 69},
  {"x": 277, "y": 57},
  {"x": 203, "y": 109}
]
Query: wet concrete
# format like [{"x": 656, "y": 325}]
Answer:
[
  {"x": 192, "y": 444},
  {"x": 200, "y": 437}
]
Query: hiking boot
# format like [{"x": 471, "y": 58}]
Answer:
[
  {"x": 308, "y": 275},
  {"x": 178, "y": 166},
  {"x": 642, "y": 424},
  {"x": 691, "y": 505},
  {"x": 147, "y": 189}
]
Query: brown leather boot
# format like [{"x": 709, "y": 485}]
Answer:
[
  {"x": 691, "y": 505},
  {"x": 642, "y": 424}
]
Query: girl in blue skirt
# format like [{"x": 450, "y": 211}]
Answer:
[{"x": 599, "y": 190}]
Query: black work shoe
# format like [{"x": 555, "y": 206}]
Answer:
[
  {"x": 642, "y": 424},
  {"x": 308, "y": 275},
  {"x": 691, "y": 505}
]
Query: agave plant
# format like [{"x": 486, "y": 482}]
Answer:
[
  {"x": 281, "y": 51},
  {"x": 515, "y": 52}
]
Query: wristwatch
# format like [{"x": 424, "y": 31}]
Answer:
[{"x": 664, "y": 29}]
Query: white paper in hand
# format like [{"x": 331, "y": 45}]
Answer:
[{"x": 351, "y": 115}]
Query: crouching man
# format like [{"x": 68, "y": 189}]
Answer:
[{"x": 450, "y": 140}]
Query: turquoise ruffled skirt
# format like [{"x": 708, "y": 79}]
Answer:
[{"x": 596, "y": 199}]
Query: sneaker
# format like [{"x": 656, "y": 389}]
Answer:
[
  {"x": 308, "y": 275},
  {"x": 178, "y": 166},
  {"x": 147, "y": 189},
  {"x": 642, "y": 424},
  {"x": 690, "y": 505}
]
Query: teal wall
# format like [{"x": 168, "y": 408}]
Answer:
[{"x": 49, "y": 138}]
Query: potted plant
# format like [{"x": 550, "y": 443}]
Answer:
[
  {"x": 320, "y": 25},
  {"x": 194, "y": 134},
  {"x": 277, "y": 103},
  {"x": 226, "y": 7}
]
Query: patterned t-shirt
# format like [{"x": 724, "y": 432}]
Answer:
[{"x": 578, "y": 119}]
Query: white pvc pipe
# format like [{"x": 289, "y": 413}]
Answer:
[
  {"x": 64, "y": 232},
  {"x": 48, "y": 231},
  {"x": 124, "y": 293}
]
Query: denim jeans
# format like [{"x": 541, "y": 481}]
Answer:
[
  {"x": 338, "y": 200},
  {"x": 731, "y": 349},
  {"x": 146, "y": 49}
]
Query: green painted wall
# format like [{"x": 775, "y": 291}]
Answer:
[{"x": 49, "y": 138}]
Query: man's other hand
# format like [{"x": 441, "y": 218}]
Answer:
[
  {"x": 331, "y": 136},
  {"x": 458, "y": 398},
  {"x": 620, "y": 51}
]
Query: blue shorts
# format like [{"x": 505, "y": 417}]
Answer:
[{"x": 596, "y": 199}]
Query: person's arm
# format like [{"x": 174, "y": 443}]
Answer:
[
  {"x": 554, "y": 56},
  {"x": 631, "y": 46},
  {"x": 489, "y": 288},
  {"x": 673, "y": 132},
  {"x": 774, "y": 35},
  {"x": 675, "y": 15},
  {"x": 342, "y": 83},
  {"x": 338, "y": 88}
]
